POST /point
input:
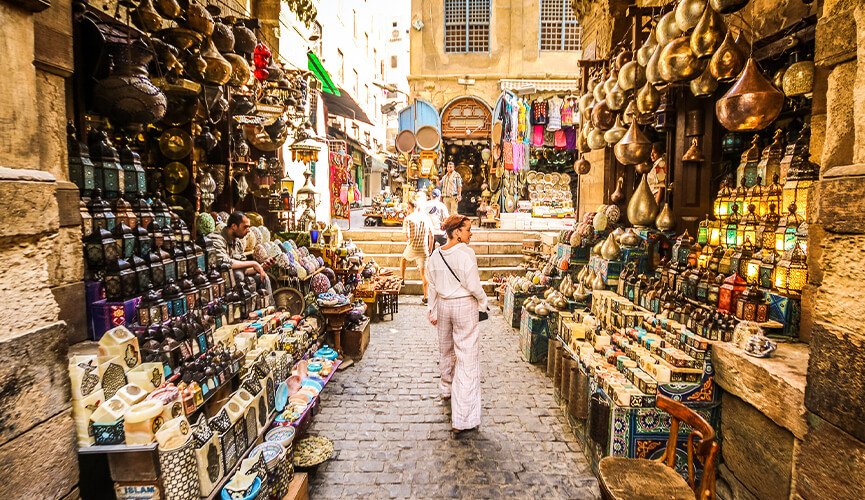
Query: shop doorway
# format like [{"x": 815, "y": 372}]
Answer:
[{"x": 466, "y": 128}]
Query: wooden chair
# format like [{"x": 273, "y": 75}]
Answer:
[{"x": 639, "y": 478}]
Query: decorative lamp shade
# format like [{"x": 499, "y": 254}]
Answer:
[
  {"x": 766, "y": 278},
  {"x": 739, "y": 259},
  {"x": 100, "y": 248},
  {"x": 722, "y": 202},
  {"x": 785, "y": 233},
  {"x": 746, "y": 172},
  {"x": 682, "y": 248},
  {"x": 730, "y": 291},
  {"x": 770, "y": 161},
  {"x": 731, "y": 229},
  {"x": 157, "y": 269},
  {"x": 791, "y": 273},
  {"x": 703, "y": 232},
  {"x": 752, "y": 306}
]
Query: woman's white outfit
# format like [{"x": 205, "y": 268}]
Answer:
[{"x": 455, "y": 306}]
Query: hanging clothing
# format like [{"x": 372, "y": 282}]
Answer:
[
  {"x": 549, "y": 138},
  {"x": 559, "y": 141},
  {"x": 570, "y": 138},
  {"x": 554, "y": 121},
  {"x": 539, "y": 112},
  {"x": 527, "y": 137},
  {"x": 537, "y": 135},
  {"x": 517, "y": 148},
  {"x": 568, "y": 113},
  {"x": 522, "y": 128},
  {"x": 508, "y": 153}
]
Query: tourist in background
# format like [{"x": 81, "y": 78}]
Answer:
[
  {"x": 456, "y": 296},
  {"x": 438, "y": 212},
  {"x": 451, "y": 186},
  {"x": 417, "y": 229}
]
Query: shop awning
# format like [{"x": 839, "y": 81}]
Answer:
[
  {"x": 314, "y": 65},
  {"x": 342, "y": 104}
]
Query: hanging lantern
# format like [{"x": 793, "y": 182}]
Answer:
[
  {"x": 766, "y": 230},
  {"x": 727, "y": 61},
  {"x": 106, "y": 164},
  {"x": 785, "y": 233},
  {"x": 771, "y": 196},
  {"x": 746, "y": 172},
  {"x": 752, "y": 305},
  {"x": 723, "y": 201},
  {"x": 791, "y": 274},
  {"x": 752, "y": 268},
  {"x": 100, "y": 249},
  {"x": 798, "y": 79},
  {"x": 634, "y": 147},
  {"x": 81, "y": 170},
  {"x": 766, "y": 277},
  {"x": 678, "y": 63},
  {"x": 801, "y": 173},
  {"x": 730, "y": 292},
  {"x": 751, "y": 104},
  {"x": 747, "y": 229},
  {"x": 731, "y": 229},
  {"x": 708, "y": 33}
]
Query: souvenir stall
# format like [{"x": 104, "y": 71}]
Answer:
[
  {"x": 533, "y": 150},
  {"x": 630, "y": 302}
]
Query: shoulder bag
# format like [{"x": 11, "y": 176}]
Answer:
[{"x": 482, "y": 315}]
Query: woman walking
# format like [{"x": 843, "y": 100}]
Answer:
[{"x": 456, "y": 297}]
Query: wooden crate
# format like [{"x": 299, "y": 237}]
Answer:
[{"x": 355, "y": 342}]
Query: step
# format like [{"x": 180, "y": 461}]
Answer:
[
  {"x": 486, "y": 273},
  {"x": 477, "y": 235},
  {"x": 393, "y": 260},
  {"x": 480, "y": 248},
  {"x": 414, "y": 287}
]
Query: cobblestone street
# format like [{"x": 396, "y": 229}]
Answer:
[{"x": 392, "y": 435}]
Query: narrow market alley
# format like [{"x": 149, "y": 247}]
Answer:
[{"x": 392, "y": 434}]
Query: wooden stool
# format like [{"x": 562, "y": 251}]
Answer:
[{"x": 631, "y": 478}]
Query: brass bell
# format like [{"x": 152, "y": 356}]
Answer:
[
  {"x": 727, "y": 61},
  {"x": 667, "y": 28},
  {"x": 648, "y": 98},
  {"x": 704, "y": 85},
  {"x": 634, "y": 147},
  {"x": 708, "y": 34},
  {"x": 694, "y": 153},
  {"x": 642, "y": 208},
  {"x": 728, "y": 6},
  {"x": 645, "y": 52},
  {"x": 688, "y": 14},
  {"x": 677, "y": 61},
  {"x": 752, "y": 103}
]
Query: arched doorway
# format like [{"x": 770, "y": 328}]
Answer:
[{"x": 466, "y": 124}]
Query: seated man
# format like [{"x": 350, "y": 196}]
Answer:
[{"x": 228, "y": 246}]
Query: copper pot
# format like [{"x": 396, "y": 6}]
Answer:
[
  {"x": 728, "y": 59},
  {"x": 708, "y": 34},
  {"x": 634, "y": 147},
  {"x": 678, "y": 63},
  {"x": 752, "y": 103},
  {"x": 582, "y": 166},
  {"x": 645, "y": 52},
  {"x": 728, "y": 6},
  {"x": 653, "y": 74},
  {"x": 648, "y": 99},
  {"x": 688, "y": 14}
]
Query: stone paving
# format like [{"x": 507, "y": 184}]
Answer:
[{"x": 392, "y": 434}]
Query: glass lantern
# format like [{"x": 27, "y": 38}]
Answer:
[
  {"x": 179, "y": 257},
  {"x": 739, "y": 259},
  {"x": 191, "y": 258},
  {"x": 100, "y": 248},
  {"x": 217, "y": 284},
  {"x": 211, "y": 258},
  {"x": 190, "y": 292},
  {"x": 200, "y": 257},
  {"x": 134, "y": 177},
  {"x": 703, "y": 231},
  {"x": 725, "y": 266},
  {"x": 100, "y": 211},
  {"x": 142, "y": 209},
  {"x": 766, "y": 230},
  {"x": 752, "y": 305},
  {"x": 234, "y": 303},
  {"x": 731, "y": 229},
  {"x": 142, "y": 272},
  {"x": 143, "y": 243},
  {"x": 704, "y": 257},
  {"x": 124, "y": 213},
  {"x": 714, "y": 290},
  {"x": 227, "y": 275},
  {"x": 723, "y": 201},
  {"x": 157, "y": 236},
  {"x": 152, "y": 310},
  {"x": 715, "y": 260},
  {"x": 161, "y": 212},
  {"x": 747, "y": 229},
  {"x": 802, "y": 236},
  {"x": 682, "y": 248},
  {"x": 791, "y": 273},
  {"x": 157, "y": 269},
  {"x": 730, "y": 291},
  {"x": 785, "y": 233},
  {"x": 800, "y": 174},
  {"x": 175, "y": 299},
  {"x": 767, "y": 268},
  {"x": 752, "y": 268},
  {"x": 746, "y": 172},
  {"x": 106, "y": 164},
  {"x": 770, "y": 162},
  {"x": 168, "y": 265},
  {"x": 120, "y": 281},
  {"x": 80, "y": 165},
  {"x": 690, "y": 284},
  {"x": 715, "y": 233},
  {"x": 703, "y": 285},
  {"x": 125, "y": 239},
  {"x": 205, "y": 288}
]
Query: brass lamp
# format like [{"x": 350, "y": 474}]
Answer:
[
  {"x": 747, "y": 229},
  {"x": 801, "y": 173},
  {"x": 722, "y": 202},
  {"x": 752, "y": 268},
  {"x": 746, "y": 172},
  {"x": 791, "y": 274},
  {"x": 739, "y": 259},
  {"x": 770, "y": 161},
  {"x": 766, "y": 278},
  {"x": 766, "y": 230},
  {"x": 731, "y": 229}
]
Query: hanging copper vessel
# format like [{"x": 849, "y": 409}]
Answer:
[
  {"x": 582, "y": 139},
  {"x": 708, "y": 34},
  {"x": 645, "y": 52},
  {"x": 127, "y": 96},
  {"x": 648, "y": 99},
  {"x": 145, "y": 17},
  {"x": 688, "y": 14},
  {"x": 642, "y": 209},
  {"x": 798, "y": 79},
  {"x": 634, "y": 147},
  {"x": 704, "y": 85},
  {"x": 667, "y": 29},
  {"x": 628, "y": 114},
  {"x": 615, "y": 98},
  {"x": 728, "y": 60},
  {"x": 168, "y": 9},
  {"x": 631, "y": 76},
  {"x": 616, "y": 133},
  {"x": 223, "y": 37},
  {"x": 244, "y": 39},
  {"x": 596, "y": 139},
  {"x": 728, "y": 6},
  {"x": 599, "y": 92},
  {"x": 678, "y": 63},
  {"x": 610, "y": 82},
  {"x": 586, "y": 101},
  {"x": 694, "y": 153},
  {"x": 198, "y": 19},
  {"x": 602, "y": 117},
  {"x": 618, "y": 195},
  {"x": 218, "y": 70},
  {"x": 623, "y": 58},
  {"x": 665, "y": 220},
  {"x": 653, "y": 74},
  {"x": 240, "y": 70},
  {"x": 752, "y": 103},
  {"x": 582, "y": 166}
]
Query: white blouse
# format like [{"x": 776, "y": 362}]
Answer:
[{"x": 443, "y": 285}]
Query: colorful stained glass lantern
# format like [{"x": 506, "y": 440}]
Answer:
[
  {"x": 747, "y": 229},
  {"x": 767, "y": 268},
  {"x": 752, "y": 305},
  {"x": 730, "y": 291},
  {"x": 703, "y": 231},
  {"x": 800, "y": 172},
  {"x": 723, "y": 201},
  {"x": 715, "y": 290},
  {"x": 752, "y": 268},
  {"x": 791, "y": 273},
  {"x": 725, "y": 267},
  {"x": 80, "y": 165},
  {"x": 125, "y": 239},
  {"x": 682, "y": 248},
  {"x": 746, "y": 172},
  {"x": 770, "y": 161},
  {"x": 785, "y": 233},
  {"x": 731, "y": 229},
  {"x": 766, "y": 230}
]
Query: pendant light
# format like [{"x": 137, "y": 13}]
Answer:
[
  {"x": 688, "y": 14},
  {"x": 727, "y": 62},
  {"x": 631, "y": 76},
  {"x": 653, "y": 76},
  {"x": 665, "y": 220},
  {"x": 648, "y": 99},
  {"x": 667, "y": 29},
  {"x": 708, "y": 34},
  {"x": 615, "y": 97},
  {"x": 704, "y": 85},
  {"x": 751, "y": 104},
  {"x": 634, "y": 147},
  {"x": 677, "y": 61},
  {"x": 615, "y": 134},
  {"x": 728, "y": 6},
  {"x": 642, "y": 208},
  {"x": 646, "y": 50}
]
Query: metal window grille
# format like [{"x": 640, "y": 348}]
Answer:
[
  {"x": 467, "y": 25},
  {"x": 560, "y": 29}
]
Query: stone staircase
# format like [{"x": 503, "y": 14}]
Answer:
[{"x": 498, "y": 252}]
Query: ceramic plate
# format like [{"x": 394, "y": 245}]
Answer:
[{"x": 281, "y": 396}]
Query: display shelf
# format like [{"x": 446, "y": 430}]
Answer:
[
  {"x": 313, "y": 403},
  {"x": 116, "y": 448},
  {"x": 217, "y": 491}
]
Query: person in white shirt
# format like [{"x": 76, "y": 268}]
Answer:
[
  {"x": 657, "y": 177},
  {"x": 438, "y": 212},
  {"x": 456, "y": 296},
  {"x": 419, "y": 242}
]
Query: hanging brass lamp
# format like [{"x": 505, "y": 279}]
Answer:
[
  {"x": 665, "y": 220},
  {"x": 615, "y": 134},
  {"x": 602, "y": 117},
  {"x": 677, "y": 61},
  {"x": 688, "y": 14},
  {"x": 704, "y": 85},
  {"x": 645, "y": 51},
  {"x": 582, "y": 166},
  {"x": 615, "y": 98},
  {"x": 798, "y": 80},
  {"x": 611, "y": 81},
  {"x": 752, "y": 103},
  {"x": 728, "y": 60},
  {"x": 218, "y": 70},
  {"x": 708, "y": 34},
  {"x": 642, "y": 208},
  {"x": 648, "y": 99},
  {"x": 667, "y": 28},
  {"x": 595, "y": 139},
  {"x": 634, "y": 147},
  {"x": 599, "y": 91},
  {"x": 631, "y": 76},
  {"x": 653, "y": 75},
  {"x": 728, "y": 6}
]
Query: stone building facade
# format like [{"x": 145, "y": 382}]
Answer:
[{"x": 791, "y": 425}]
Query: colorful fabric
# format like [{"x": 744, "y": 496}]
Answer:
[
  {"x": 508, "y": 153},
  {"x": 568, "y": 112},
  {"x": 538, "y": 135},
  {"x": 539, "y": 112},
  {"x": 570, "y": 138},
  {"x": 527, "y": 137},
  {"x": 459, "y": 359},
  {"x": 555, "y": 114},
  {"x": 559, "y": 142},
  {"x": 522, "y": 123},
  {"x": 518, "y": 155}
]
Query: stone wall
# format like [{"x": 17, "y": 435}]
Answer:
[{"x": 41, "y": 255}]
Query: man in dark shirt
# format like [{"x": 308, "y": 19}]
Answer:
[{"x": 228, "y": 246}]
